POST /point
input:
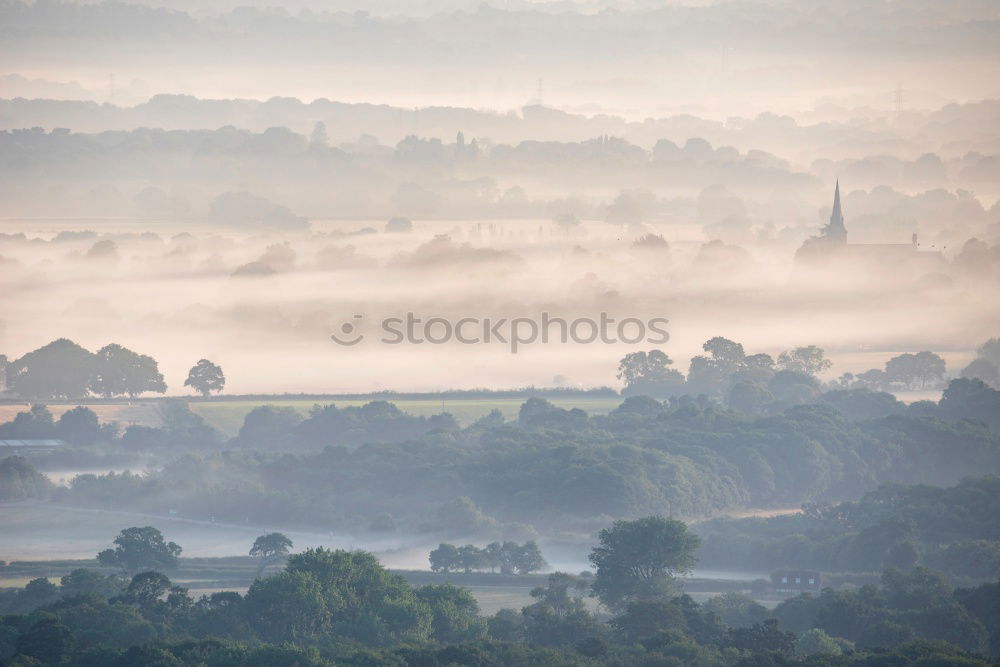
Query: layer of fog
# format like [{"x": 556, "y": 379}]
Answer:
[
  {"x": 66, "y": 533},
  {"x": 181, "y": 296}
]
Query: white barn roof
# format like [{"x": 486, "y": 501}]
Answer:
[{"x": 32, "y": 443}]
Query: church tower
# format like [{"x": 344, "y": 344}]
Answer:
[{"x": 835, "y": 231}]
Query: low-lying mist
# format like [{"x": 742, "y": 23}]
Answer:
[{"x": 264, "y": 306}]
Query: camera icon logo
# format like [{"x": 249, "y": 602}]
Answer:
[{"x": 347, "y": 329}]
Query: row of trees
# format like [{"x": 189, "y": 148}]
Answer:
[
  {"x": 922, "y": 370},
  {"x": 726, "y": 368},
  {"x": 507, "y": 557},
  {"x": 78, "y": 426},
  {"x": 63, "y": 369},
  {"x": 714, "y": 373}
]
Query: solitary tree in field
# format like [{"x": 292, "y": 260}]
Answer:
[
  {"x": 269, "y": 549},
  {"x": 141, "y": 549},
  {"x": 205, "y": 377}
]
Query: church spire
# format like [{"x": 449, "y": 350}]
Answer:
[
  {"x": 837, "y": 214},
  {"x": 836, "y": 231}
]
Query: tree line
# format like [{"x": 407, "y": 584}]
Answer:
[
  {"x": 758, "y": 383},
  {"x": 507, "y": 557},
  {"x": 63, "y": 369}
]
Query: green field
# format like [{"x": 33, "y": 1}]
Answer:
[{"x": 227, "y": 416}]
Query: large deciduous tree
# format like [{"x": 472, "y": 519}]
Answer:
[
  {"x": 915, "y": 370},
  {"x": 444, "y": 558},
  {"x": 80, "y": 426},
  {"x": 648, "y": 373},
  {"x": 529, "y": 558},
  {"x": 32, "y": 424},
  {"x": 370, "y": 604},
  {"x": 270, "y": 549},
  {"x": 808, "y": 360},
  {"x": 205, "y": 377},
  {"x": 121, "y": 371},
  {"x": 141, "y": 549},
  {"x": 290, "y": 606},
  {"x": 637, "y": 560},
  {"x": 61, "y": 369}
]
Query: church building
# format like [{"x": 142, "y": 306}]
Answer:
[{"x": 831, "y": 246}]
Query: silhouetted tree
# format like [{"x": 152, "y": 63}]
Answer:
[
  {"x": 121, "y": 371},
  {"x": 808, "y": 360},
  {"x": 32, "y": 424},
  {"x": 648, "y": 373},
  {"x": 270, "y": 549},
  {"x": 140, "y": 548},
  {"x": 80, "y": 426},
  {"x": 61, "y": 369},
  {"x": 918, "y": 369},
  {"x": 528, "y": 558},
  {"x": 444, "y": 558},
  {"x": 205, "y": 377}
]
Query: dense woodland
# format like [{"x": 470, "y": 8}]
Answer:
[
  {"x": 953, "y": 529},
  {"x": 425, "y": 177},
  {"x": 551, "y": 468}
]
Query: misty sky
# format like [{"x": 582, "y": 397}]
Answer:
[{"x": 189, "y": 141}]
